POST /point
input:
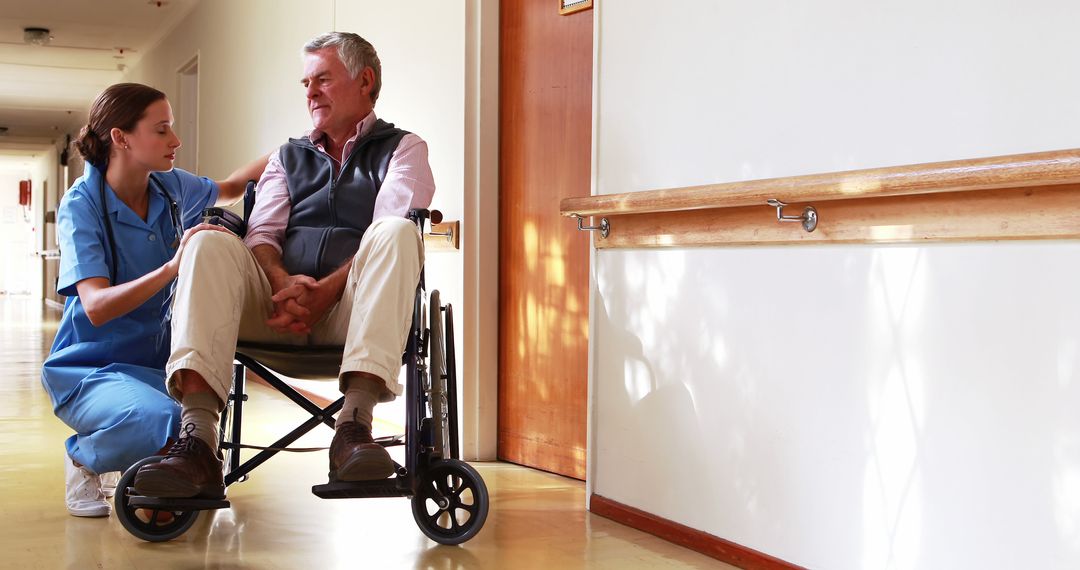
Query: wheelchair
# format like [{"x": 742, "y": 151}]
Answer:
[{"x": 449, "y": 498}]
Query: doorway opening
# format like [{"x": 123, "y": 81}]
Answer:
[
  {"x": 187, "y": 116},
  {"x": 19, "y": 181}
]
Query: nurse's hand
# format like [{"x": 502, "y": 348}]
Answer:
[
  {"x": 104, "y": 302},
  {"x": 174, "y": 264}
]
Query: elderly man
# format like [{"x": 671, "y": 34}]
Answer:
[{"x": 329, "y": 258}]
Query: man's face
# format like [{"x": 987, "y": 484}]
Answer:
[{"x": 336, "y": 102}]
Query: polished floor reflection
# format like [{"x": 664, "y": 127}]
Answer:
[{"x": 537, "y": 520}]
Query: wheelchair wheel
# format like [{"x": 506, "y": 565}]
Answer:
[
  {"x": 149, "y": 525},
  {"x": 451, "y": 502},
  {"x": 451, "y": 384},
  {"x": 437, "y": 395}
]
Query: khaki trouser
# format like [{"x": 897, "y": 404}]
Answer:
[{"x": 222, "y": 295}]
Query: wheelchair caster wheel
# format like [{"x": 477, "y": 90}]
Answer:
[
  {"x": 151, "y": 525},
  {"x": 451, "y": 502}
]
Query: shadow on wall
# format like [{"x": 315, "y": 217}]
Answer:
[{"x": 847, "y": 406}]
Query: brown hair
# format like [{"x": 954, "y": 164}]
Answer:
[{"x": 118, "y": 107}]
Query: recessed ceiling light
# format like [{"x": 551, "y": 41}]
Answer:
[{"x": 36, "y": 36}]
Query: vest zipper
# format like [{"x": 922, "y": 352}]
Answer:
[{"x": 334, "y": 174}]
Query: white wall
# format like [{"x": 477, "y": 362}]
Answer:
[
  {"x": 421, "y": 46},
  {"x": 251, "y": 101},
  {"x": 250, "y": 98},
  {"x": 841, "y": 407}
]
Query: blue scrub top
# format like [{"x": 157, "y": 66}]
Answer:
[{"x": 141, "y": 337}]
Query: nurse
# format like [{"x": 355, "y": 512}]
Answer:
[{"x": 122, "y": 228}]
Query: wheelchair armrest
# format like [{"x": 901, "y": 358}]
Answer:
[
  {"x": 249, "y": 199},
  {"x": 419, "y": 215}
]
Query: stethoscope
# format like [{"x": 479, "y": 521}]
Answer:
[{"x": 174, "y": 214}]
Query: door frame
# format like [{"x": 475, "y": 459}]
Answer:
[
  {"x": 480, "y": 237},
  {"x": 189, "y": 101},
  {"x": 480, "y": 233},
  {"x": 594, "y": 290}
]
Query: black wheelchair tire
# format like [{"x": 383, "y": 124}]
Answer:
[
  {"x": 436, "y": 370},
  {"x": 129, "y": 519},
  {"x": 451, "y": 382},
  {"x": 450, "y": 478}
]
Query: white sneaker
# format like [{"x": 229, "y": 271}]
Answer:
[
  {"x": 83, "y": 493},
  {"x": 108, "y": 483}
]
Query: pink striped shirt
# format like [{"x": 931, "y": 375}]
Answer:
[{"x": 408, "y": 184}]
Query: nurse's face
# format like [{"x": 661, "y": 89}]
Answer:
[{"x": 153, "y": 143}]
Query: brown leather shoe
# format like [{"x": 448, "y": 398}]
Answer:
[
  {"x": 354, "y": 455},
  {"x": 189, "y": 470}
]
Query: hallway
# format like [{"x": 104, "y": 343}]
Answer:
[{"x": 537, "y": 520}]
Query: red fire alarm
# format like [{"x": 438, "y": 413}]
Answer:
[{"x": 24, "y": 192}]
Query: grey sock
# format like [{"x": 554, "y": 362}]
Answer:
[
  {"x": 361, "y": 395},
  {"x": 202, "y": 410}
]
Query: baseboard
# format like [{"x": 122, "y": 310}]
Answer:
[{"x": 705, "y": 543}]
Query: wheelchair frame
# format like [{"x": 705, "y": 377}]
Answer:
[{"x": 432, "y": 475}]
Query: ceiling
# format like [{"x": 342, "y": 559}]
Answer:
[{"x": 46, "y": 90}]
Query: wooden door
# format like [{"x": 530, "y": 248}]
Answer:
[{"x": 545, "y": 122}]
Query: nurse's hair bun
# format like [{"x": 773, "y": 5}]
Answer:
[
  {"x": 92, "y": 147},
  {"x": 118, "y": 107}
]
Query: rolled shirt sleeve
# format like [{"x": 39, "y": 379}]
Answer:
[
  {"x": 270, "y": 215},
  {"x": 409, "y": 182}
]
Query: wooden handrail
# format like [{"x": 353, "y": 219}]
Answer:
[{"x": 1013, "y": 171}]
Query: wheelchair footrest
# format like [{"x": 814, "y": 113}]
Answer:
[
  {"x": 390, "y": 440},
  {"x": 361, "y": 489},
  {"x": 162, "y": 504}
]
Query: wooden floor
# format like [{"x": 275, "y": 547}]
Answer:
[{"x": 537, "y": 519}]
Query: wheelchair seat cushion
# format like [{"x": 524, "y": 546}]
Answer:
[{"x": 305, "y": 362}]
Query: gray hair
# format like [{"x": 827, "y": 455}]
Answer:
[{"x": 355, "y": 53}]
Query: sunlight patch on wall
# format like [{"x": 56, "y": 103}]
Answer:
[
  {"x": 896, "y": 406},
  {"x": 892, "y": 233},
  {"x": 1066, "y": 361},
  {"x": 892, "y": 493},
  {"x": 638, "y": 379},
  {"x": 1067, "y": 490}
]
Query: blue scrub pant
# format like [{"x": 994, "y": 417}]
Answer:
[{"x": 120, "y": 413}]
